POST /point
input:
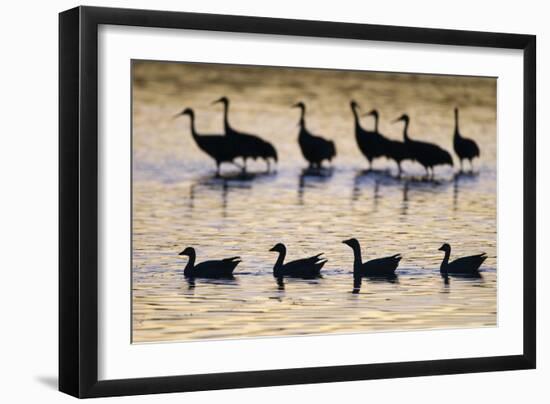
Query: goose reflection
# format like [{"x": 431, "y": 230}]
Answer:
[
  {"x": 280, "y": 283},
  {"x": 227, "y": 281},
  {"x": 190, "y": 284},
  {"x": 358, "y": 281}
]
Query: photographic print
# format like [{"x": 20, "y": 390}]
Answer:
[{"x": 282, "y": 201}]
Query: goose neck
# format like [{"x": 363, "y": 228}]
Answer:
[
  {"x": 190, "y": 264},
  {"x": 279, "y": 263},
  {"x": 357, "y": 259},
  {"x": 445, "y": 262}
]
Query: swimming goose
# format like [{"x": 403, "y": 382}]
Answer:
[
  {"x": 303, "y": 268},
  {"x": 464, "y": 266},
  {"x": 379, "y": 267},
  {"x": 427, "y": 154},
  {"x": 314, "y": 148},
  {"x": 208, "y": 269},
  {"x": 464, "y": 148}
]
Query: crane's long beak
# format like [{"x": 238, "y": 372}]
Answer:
[
  {"x": 217, "y": 101},
  {"x": 397, "y": 120}
]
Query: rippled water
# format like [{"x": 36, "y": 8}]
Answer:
[{"x": 178, "y": 202}]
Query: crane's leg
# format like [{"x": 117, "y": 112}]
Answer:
[
  {"x": 268, "y": 165},
  {"x": 460, "y": 165},
  {"x": 399, "y": 170},
  {"x": 472, "y": 165},
  {"x": 427, "y": 173},
  {"x": 244, "y": 165},
  {"x": 217, "y": 168}
]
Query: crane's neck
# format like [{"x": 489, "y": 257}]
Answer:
[
  {"x": 355, "y": 116},
  {"x": 406, "y": 130},
  {"x": 193, "y": 129},
  {"x": 302, "y": 122},
  {"x": 279, "y": 263},
  {"x": 445, "y": 262},
  {"x": 190, "y": 264},
  {"x": 457, "y": 132},
  {"x": 226, "y": 125},
  {"x": 376, "y": 123}
]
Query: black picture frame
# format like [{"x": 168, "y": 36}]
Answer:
[{"x": 78, "y": 201}]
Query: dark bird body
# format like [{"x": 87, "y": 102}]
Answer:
[
  {"x": 219, "y": 147},
  {"x": 393, "y": 149},
  {"x": 427, "y": 154},
  {"x": 371, "y": 143},
  {"x": 379, "y": 267},
  {"x": 209, "y": 269},
  {"x": 465, "y": 149},
  {"x": 305, "y": 268},
  {"x": 247, "y": 146},
  {"x": 461, "y": 266},
  {"x": 315, "y": 149}
]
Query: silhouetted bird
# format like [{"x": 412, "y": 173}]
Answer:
[
  {"x": 393, "y": 149},
  {"x": 371, "y": 143},
  {"x": 461, "y": 266},
  {"x": 314, "y": 148},
  {"x": 248, "y": 146},
  {"x": 219, "y": 147},
  {"x": 427, "y": 154},
  {"x": 209, "y": 269},
  {"x": 303, "y": 268},
  {"x": 379, "y": 267},
  {"x": 464, "y": 148}
]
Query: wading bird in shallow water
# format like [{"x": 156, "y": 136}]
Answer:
[
  {"x": 219, "y": 147},
  {"x": 248, "y": 146},
  {"x": 465, "y": 149},
  {"x": 209, "y": 269},
  {"x": 379, "y": 267},
  {"x": 427, "y": 154},
  {"x": 314, "y": 148},
  {"x": 371, "y": 143},
  {"x": 393, "y": 149},
  {"x": 305, "y": 268},
  {"x": 461, "y": 266}
]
